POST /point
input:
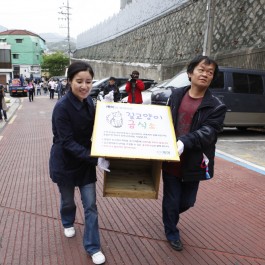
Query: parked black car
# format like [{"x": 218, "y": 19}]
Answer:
[
  {"x": 160, "y": 97},
  {"x": 241, "y": 90}
]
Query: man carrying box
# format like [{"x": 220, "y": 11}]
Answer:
[{"x": 197, "y": 118}]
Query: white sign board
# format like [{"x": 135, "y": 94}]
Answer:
[{"x": 135, "y": 131}]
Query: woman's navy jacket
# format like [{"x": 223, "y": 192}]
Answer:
[{"x": 72, "y": 126}]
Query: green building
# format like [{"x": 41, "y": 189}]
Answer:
[{"x": 27, "y": 50}]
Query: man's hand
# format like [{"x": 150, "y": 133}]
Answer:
[
  {"x": 103, "y": 164},
  {"x": 180, "y": 147}
]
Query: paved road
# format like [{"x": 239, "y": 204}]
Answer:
[
  {"x": 225, "y": 227},
  {"x": 247, "y": 145}
]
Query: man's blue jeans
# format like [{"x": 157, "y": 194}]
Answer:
[
  {"x": 178, "y": 197},
  {"x": 91, "y": 239}
]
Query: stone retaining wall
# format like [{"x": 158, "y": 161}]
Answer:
[{"x": 162, "y": 47}]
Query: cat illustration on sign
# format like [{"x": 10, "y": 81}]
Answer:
[{"x": 115, "y": 119}]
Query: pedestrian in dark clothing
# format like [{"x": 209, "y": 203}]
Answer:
[
  {"x": 198, "y": 118},
  {"x": 134, "y": 87},
  {"x": 30, "y": 90},
  {"x": 112, "y": 86},
  {"x": 21, "y": 80},
  {"x": 59, "y": 89},
  {"x": 70, "y": 162},
  {"x": 3, "y": 106}
]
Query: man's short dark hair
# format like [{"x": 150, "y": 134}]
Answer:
[
  {"x": 112, "y": 78},
  {"x": 135, "y": 73},
  {"x": 207, "y": 60}
]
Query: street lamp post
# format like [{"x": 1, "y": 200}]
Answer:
[
  {"x": 67, "y": 14},
  {"x": 207, "y": 44}
]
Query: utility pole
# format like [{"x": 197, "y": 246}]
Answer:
[
  {"x": 207, "y": 45},
  {"x": 65, "y": 12}
]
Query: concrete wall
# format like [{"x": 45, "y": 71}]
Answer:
[{"x": 164, "y": 46}]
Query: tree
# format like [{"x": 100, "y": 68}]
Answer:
[{"x": 55, "y": 63}]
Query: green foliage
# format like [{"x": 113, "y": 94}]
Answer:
[{"x": 55, "y": 63}]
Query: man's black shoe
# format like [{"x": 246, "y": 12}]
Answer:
[{"x": 176, "y": 245}]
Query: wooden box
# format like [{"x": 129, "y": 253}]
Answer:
[
  {"x": 132, "y": 179},
  {"x": 136, "y": 139}
]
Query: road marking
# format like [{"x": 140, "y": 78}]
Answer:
[
  {"x": 20, "y": 107},
  {"x": 1, "y": 138},
  {"x": 12, "y": 120},
  {"x": 240, "y": 162}
]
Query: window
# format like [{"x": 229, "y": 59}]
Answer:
[
  {"x": 15, "y": 56},
  {"x": 19, "y": 40},
  {"x": 255, "y": 84},
  {"x": 218, "y": 83},
  {"x": 5, "y": 56},
  {"x": 247, "y": 83},
  {"x": 2, "y": 40},
  {"x": 37, "y": 56}
]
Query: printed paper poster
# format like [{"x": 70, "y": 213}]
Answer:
[{"x": 135, "y": 131}]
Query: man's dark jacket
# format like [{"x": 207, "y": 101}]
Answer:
[{"x": 207, "y": 122}]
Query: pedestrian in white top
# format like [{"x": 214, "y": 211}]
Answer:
[{"x": 51, "y": 88}]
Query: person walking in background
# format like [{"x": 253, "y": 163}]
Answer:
[
  {"x": 59, "y": 89},
  {"x": 34, "y": 87},
  {"x": 52, "y": 88},
  {"x": 21, "y": 78},
  {"x": 3, "y": 106},
  {"x": 134, "y": 87},
  {"x": 70, "y": 162},
  {"x": 45, "y": 86},
  {"x": 198, "y": 117},
  {"x": 63, "y": 88},
  {"x": 38, "y": 87},
  {"x": 30, "y": 90},
  {"x": 111, "y": 86}
]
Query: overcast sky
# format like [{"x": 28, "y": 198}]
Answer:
[{"x": 42, "y": 16}]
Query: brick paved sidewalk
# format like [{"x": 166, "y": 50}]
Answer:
[{"x": 226, "y": 226}]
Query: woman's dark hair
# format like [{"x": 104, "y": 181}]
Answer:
[
  {"x": 74, "y": 68},
  {"x": 207, "y": 60},
  {"x": 77, "y": 67}
]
